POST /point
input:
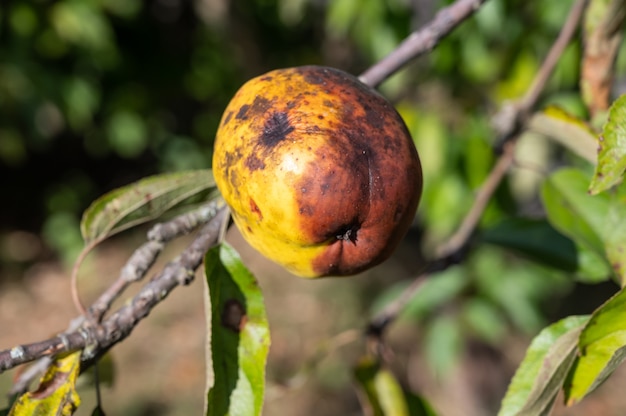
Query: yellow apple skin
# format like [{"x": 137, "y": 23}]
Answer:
[{"x": 319, "y": 170}]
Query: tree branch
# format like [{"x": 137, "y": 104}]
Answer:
[
  {"x": 421, "y": 41},
  {"x": 144, "y": 257},
  {"x": 97, "y": 339}
]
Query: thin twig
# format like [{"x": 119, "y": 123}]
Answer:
[
  {"x": 511, "y": 119},
  {"x": 471, "y": 219},
  {"x": 421, "y": 41},
  {"x": 456, "y": 247},
  {"x": 565, "y": 35}
]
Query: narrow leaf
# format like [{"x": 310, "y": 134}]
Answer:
[
  {"x": 536, "y": 239},
  {"x": 612, "y": 149},
  {"x": 56, "y": 394},
  {"x": 239, "y": 334},
  {"x": 541, "y": 374},
  {"x": 602, "y": 347},
  {"x": 142, "y": 201},
  {"x": 567, "y": 130},
  {"x": 382, "y": 393}
]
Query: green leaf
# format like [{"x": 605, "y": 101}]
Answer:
[
  {"x": 382, "y": 391},
  {"x": 536, "y": 239},
  {"x": 602, "y": 347},
  {"x": 443, "y": 343},
  {"x": 56, "y": 394},
  {"x": 612, "y": 151},
  {"x": 240, "y": 336},
  {"x": 143, "y": 201},
  {"x": 580, "y": 216},
  {"x": 615, "y": 233},
  {"x": 540, "y": 376},
  {"x": 418, "y": 406}
]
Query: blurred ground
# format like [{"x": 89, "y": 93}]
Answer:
[{"x": 159, "y": 369}]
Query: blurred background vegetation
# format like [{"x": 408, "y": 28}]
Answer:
[{"x": 95, "y": 94}]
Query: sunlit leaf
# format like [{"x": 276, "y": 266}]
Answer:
[
  {"x": 143, "y": 201},
  {"x": 580, "y": 216},
  {"x": 536, "y": 239},
  {"x": 56, "y": 394},
  {"x": 602, "y": 347},
  {"x": 612, "y": 151},
  {"x": 566, "y": 129},
  {"x": 239, "y": 335},
  {"x": 540, "y": 376},
  {"x": 382, "y": 393}
]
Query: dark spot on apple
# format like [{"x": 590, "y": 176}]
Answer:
[
  {"x": 255, "y": 208},
  {"x": 307, "y": 210},
  {"x": 241, "y": 114},
  {"x": 314, "y": 75},
  {"x": 227, "y": 118},
  {"x": 260, "y": 105},
  {"x": 254, "y": 163},
  {"x": 276, "y": 129},
  {"x": 375, "y": 117},
  {"x": 234, "y": 315}
]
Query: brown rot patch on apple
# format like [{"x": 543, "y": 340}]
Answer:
[
  {"x": 276, "y": 129},
  {"x": 234, "y": 315},
  {"x": 255, "y": 209}
]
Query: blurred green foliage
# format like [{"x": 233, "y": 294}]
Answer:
[{"x": 97, "y": 93}]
